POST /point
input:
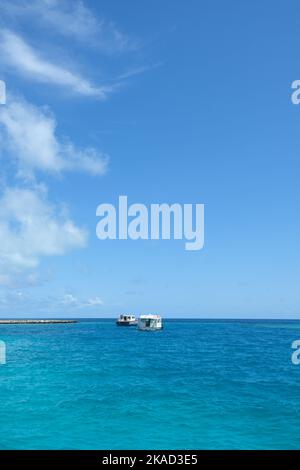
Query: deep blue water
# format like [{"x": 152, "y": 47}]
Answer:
[{"x": 196, "y": 384}]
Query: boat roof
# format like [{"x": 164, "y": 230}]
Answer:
[{"x": 150, "y": 316}]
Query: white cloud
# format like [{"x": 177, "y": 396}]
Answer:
[
  {"x": 71, "y": 18},
  {"x": 138, "y": 70},
  {"x": 94, "y": 302},
  {"x": 29, "y": 133},
  {"x": 70, "y": 300},
  {"x": 16, "y": 53},
  {"x": 31, "y": 228}
]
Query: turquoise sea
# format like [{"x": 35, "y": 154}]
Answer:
[{"x": 196, "y": 384}]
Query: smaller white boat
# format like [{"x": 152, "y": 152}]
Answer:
[
  {"x": 150, "y": 323},
  {"x": 126, "y": 320}
]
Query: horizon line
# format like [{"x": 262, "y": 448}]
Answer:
[{"x": 165, "y": 318}]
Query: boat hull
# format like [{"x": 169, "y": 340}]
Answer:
[
  {"x": 150, "y": 328},
  {"x": 126, "y": 323}
]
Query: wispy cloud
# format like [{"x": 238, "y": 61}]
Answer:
[
  {"x": 138, "y": 70},
  {"x": 19, "y": 300},
  {"x": 70, "y": 18},
  {"x": 70, "y": 300},
  {"x": 30, "y": 228},
  {"x": 94, "y": 302},
  {"x": 29, "y": 133},
  {"x": 19, "y": 55}
]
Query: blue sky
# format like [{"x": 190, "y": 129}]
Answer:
[{"x": 164, "y": 102}]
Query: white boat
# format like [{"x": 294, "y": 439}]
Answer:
[
  {"x": 126, "y": 320},
  {"x": 150, "y": 323}
]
